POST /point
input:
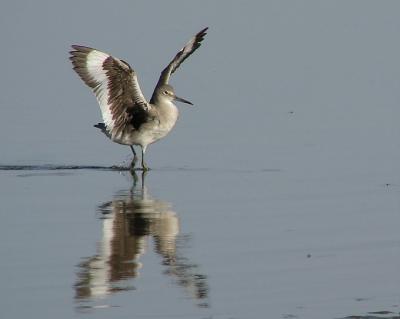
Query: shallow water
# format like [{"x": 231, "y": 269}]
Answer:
[
  {"x": 196, "y": 244},
  {"x": 276, "y": 196}
]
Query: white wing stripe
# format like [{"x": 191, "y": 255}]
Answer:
[
  {"x": 115, "y": 86},
  {"x": 94, "y": 65}
]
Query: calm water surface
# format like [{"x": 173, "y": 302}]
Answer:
[
  {"x": 276, "y": 196},
  {"x": 203, "y": 243}
]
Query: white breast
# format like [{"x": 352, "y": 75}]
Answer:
[{"x": 167, "y": 116}]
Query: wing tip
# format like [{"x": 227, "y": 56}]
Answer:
[
  {"x": 200, "y": 35},
  {"x": 80, "y": 49}
]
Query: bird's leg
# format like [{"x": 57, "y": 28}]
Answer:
[
  {"x": 134, "y": 160},
  {"x": 144, "y": 166},
  {"x": 134, "y": 153}
]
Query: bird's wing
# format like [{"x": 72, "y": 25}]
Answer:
[
  {"x": 114, "y": 83},
  {"x": 181, "y": 56}
]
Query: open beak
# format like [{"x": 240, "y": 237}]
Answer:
[{"x": 182, "y": 100}]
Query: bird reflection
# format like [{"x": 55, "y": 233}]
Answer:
[{"x": 128, "y": 222}]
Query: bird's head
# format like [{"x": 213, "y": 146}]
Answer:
[{"x": 166, "y": 91}]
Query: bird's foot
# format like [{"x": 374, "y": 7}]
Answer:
[{"x": 145, "y": 167}]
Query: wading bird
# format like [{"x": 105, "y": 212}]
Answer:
[{"x": 129, "y": 119}]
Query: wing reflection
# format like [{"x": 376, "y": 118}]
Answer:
[{"x": 129, "y": 221}]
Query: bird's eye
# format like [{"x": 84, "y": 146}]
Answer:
[{"x": 166, "y": 92}]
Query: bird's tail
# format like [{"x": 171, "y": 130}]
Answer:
[{"x": 102, "y": 127}]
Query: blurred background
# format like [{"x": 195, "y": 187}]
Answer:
[{"x": 302, "y": 85}]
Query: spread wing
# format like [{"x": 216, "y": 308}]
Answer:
[
  {"x": 181, "y": 56},
  {"x": 115, "y": 85}
]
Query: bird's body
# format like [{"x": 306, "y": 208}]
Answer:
[
  {"x": 150, "y": 127},
  {"x": 129, "y": 119}
]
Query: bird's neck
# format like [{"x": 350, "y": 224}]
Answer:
[{"x": 168, "y": 113}]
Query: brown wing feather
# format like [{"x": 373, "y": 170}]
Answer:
[
  {"x": 181, "y": 56},
  {"x": 124, "y": 104},
  {"x": 115, "y": 85}
]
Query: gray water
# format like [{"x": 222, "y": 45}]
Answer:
[{"x": 276, "y": 196}]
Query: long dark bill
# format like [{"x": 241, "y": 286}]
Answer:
[{"x": 182, "y": 100}]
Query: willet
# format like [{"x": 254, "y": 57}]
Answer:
[{"x": 129, "y": 119}]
